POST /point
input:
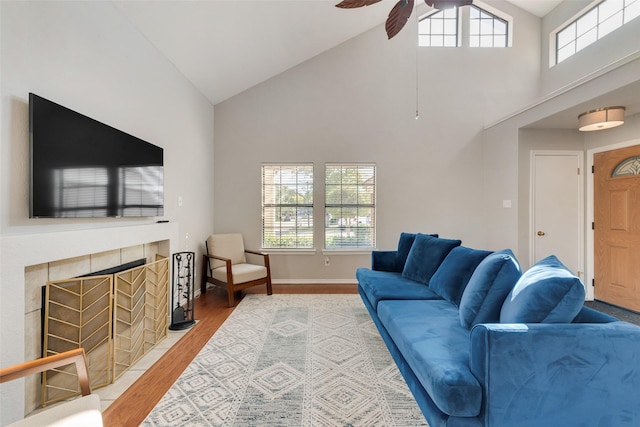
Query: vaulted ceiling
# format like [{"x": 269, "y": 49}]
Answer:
[{"x": 227, "y": 46}]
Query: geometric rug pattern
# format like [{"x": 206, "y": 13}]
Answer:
[{"x": 291, "y": 360}]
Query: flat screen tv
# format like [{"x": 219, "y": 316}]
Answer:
[{"x": 82, "y": 168}]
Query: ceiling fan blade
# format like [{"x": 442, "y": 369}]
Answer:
[
  {"x": 398, "y": 17},
  {"x": 350, "y": 4},
  {"x": 447, "y": 4}
]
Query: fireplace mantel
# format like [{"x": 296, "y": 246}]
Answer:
[{"x": 20, "y": 251}]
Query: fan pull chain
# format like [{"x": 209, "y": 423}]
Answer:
[{"x": 417, "y": 70}]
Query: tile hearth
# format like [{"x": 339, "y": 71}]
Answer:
[{"x": 111, "y": 392}]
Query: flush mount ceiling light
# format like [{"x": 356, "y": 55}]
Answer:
[
  {"x": 401, "y": 12},
  {"x": 602, "y": 118}
]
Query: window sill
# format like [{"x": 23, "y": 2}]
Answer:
[
  {"x": 291, "y": 251},
  {"x": 347, "y": 251}
]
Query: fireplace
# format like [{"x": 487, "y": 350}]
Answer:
[{"x": 132, "y": 334}]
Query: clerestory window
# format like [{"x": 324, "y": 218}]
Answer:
[
  {"x": 442, "y": 28},
  {"x": 487, "y": 29},
  {"x": 439, "y": 29},
  {"x": 597, "y": 22}
]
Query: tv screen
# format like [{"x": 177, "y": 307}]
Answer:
[{"x": 83, "y": 168}]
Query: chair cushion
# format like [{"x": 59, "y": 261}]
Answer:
[
  {"x": 451, "y": 278},
  {"x": 546, "y": 293},
  {"x": 489, "y": 285},
  {"x": 425, "y": 256},
  {"x": 241, "y": 273},
  {"x": 81, "y": 412},
  {"x": 227, "y": 246}
]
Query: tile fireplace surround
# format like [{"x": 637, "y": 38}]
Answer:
[{"x": 28, "y": 262}]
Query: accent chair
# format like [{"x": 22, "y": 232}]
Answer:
[{"x": 225, "y": 265}]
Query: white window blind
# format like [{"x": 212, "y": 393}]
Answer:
[
  {"x": 350, "y": 206},
  {"x": 287, "y": 206}
]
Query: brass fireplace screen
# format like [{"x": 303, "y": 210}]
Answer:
[{"x": 116, "y": 318}]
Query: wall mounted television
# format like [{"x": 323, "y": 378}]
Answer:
[{"x": 82, "y": 168}]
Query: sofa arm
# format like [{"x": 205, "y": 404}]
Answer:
[
  {"x": 384, "y": 260},
  {"x": 558, "y": 374}
]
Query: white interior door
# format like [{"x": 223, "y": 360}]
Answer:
[{"x": 557, "y": 208}]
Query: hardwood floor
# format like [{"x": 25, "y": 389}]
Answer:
[{"x": 133, "y": 406}]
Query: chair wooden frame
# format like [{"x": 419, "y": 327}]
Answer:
[
  {"x": 233, "y": 289},
  {"x": 37, "y": 366}
]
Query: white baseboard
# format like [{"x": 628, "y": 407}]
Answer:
[{"x": 314, "y": 281}]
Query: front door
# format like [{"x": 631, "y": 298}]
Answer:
[{"x": 617, "y": 227}]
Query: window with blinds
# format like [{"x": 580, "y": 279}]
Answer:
[
  {"x": 350, "y": 206},
  {"x": 287, "y": 206}
]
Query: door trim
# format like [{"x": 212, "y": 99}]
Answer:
[
  {"x": 581, "y": 214},
  {"x": 590, "y": 271}
]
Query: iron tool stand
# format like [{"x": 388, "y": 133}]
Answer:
[{"x": 182, "y": 316}]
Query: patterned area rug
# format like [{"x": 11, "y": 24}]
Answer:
[{"x": 291, "y": 360}]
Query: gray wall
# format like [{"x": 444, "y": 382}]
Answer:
[
  {"x": 608, "y": 65},
  {"x": 356, "y": 103},
  {"x": 88, "y": 57},
  {"x": 610, "y": 49}
]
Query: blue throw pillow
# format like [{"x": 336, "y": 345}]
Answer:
[
  {"x": 488, "y": 287},
  {"x": 404, "y": 246},
  {"x": 546, "y": 293},
  {"x": 425, "y": 256},
  {"x": 451, "y": 278}
]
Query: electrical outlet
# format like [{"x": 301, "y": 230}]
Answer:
[{"x": 327, "y": 263}]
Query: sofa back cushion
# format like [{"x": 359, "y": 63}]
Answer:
[
  {"x": 404, "y": 246},
  {"x": 546, "y": 293},
  {"x": 451, "y": 278},
  {"x": 488, "y": 287},
  {"x": 425, "y": 256}
]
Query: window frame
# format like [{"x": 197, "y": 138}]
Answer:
[
  {"x": 364, "y": 189},
  {"x": 301, "y": 232}
]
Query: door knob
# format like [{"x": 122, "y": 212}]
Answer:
[{"x": 540, "y": 233}]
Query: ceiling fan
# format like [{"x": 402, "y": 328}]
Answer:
[{"x": 401, "y": 12}]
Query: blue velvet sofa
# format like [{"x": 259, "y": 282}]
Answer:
[{"x": 480, "y": 343}]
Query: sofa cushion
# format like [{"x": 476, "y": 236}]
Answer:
[
  {"x": 436, "y": 348},
  {"x": 451, "y": 278},
  {"x": 425, "y": 256},
  {"x": 404, "y": 246},
  {"x": 383, "y": 285},
  {"x": 488, "y": 287},
  {"x": 546, "y": 293}
]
